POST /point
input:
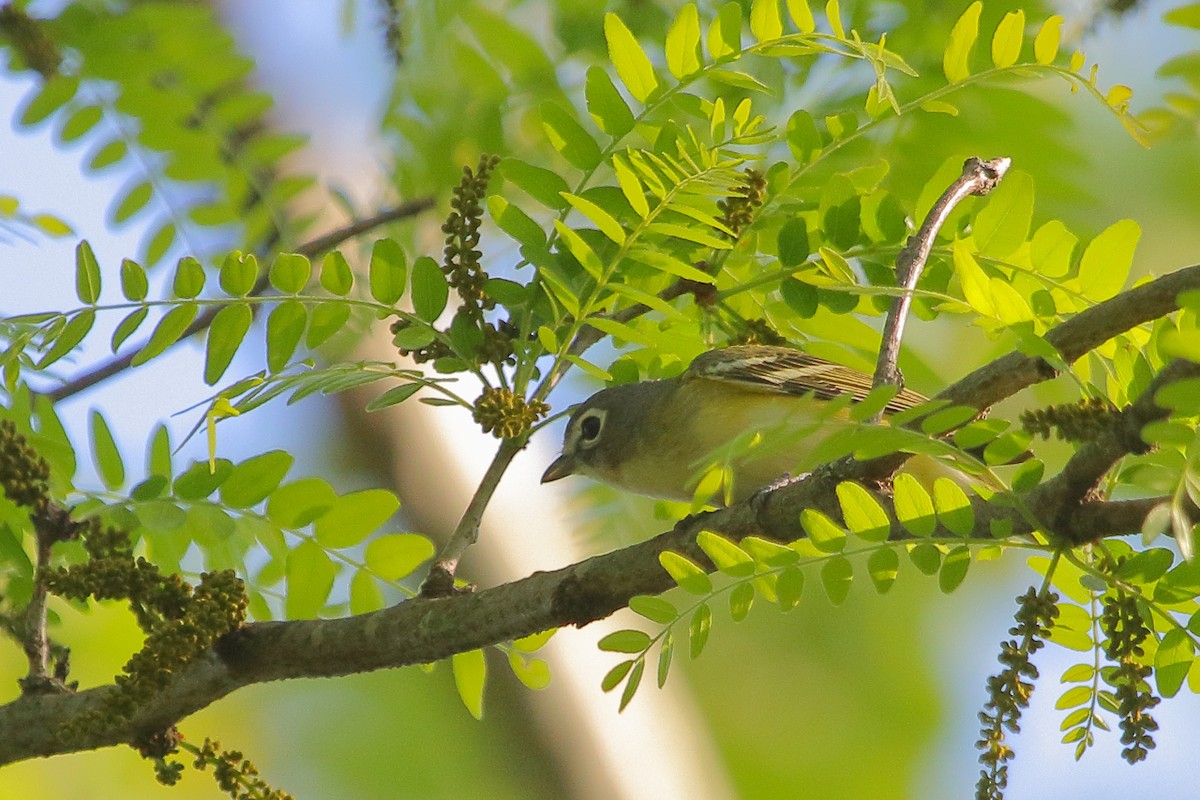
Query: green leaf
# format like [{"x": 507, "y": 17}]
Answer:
[
  {"x": 1079, "y": 673},
  {"x": 327, "y": 319},
  {"x": 430, "y": 291},
  {"x": 836, "y": 575},
  {"x": 765, "y": 22},
  {"x": 541, "y": 184},
  {"x": 108, "y": 155},
  {"x": 801, "y": 297},
  {"x": 864, "y": 516},
  {"x": 160, "y": 452},
  {"x": 631, "y": 187},
  {"x": 953, "y": 507},
  {"x": 883, "y": 565},
  {"x": 394, "y": 556},
  {"x": 1006, "y": 43},
  {"x": 198, "y": 481},
  {"x": 1002, "y": 225},
  {"x": 470, "y": 676},
  {"x": 976, "y": 288},
  {"x": 568, "y": 137},
  {"x": 1180, "y": 584},
  {"x": 954, "y": 569},
  {"x": 354, "y": 516},
  {"x": 225, "y": 336},
  {"x": 160, "y": 242},
  {"x": 254, "y": 479},
  {"x": 394, "y": 396},
  {"x": 55, "y": 93},
  {"x": 738, "y": 79},
  {"x": 87, "y": 273},
  {"x": 133, "y": 202},
  {"x": 1147, "y": 566},
  {"x": 105, "y": 454},
  {"x": 166, "y": 332},
  {"x": 1172, "y": 661},
  {"x": 336, "y": 275},
  {"x": 365, "y": 594},
  {"x": 606, "y": 105},
  {"x": 388, "y": 271},
  {"x": 189, "y": 278},
  {"x": 579, "y": 248},
  {"x": 685, "y": 573},
  {"x": 631, "y": 685},
  {"x": 823, "y": 532},
  {"x": 768, "y": 553},
  {"x": 310, "y": 574},
  {"x": 298, "y": 503},
  {"x": 534, "y": 641},
  {"x": 1045, "y": 45},
  {"x": 683, "y": 42},
  {"x": 913, "y": 506},
  {"x": 727, "y": 556},
  {"x": 926, "y": 557},
  {"x": 788, "y": 587},
  {"x": 134, "y": 284},
  {"x": 655, "y": 609},
  {"x": 633, "y": 67},
  {"x": 290, "y": 272},
  {"x": 532, "y": 672},
  {"x": 625, "y": 641},
  {"x": 80, "y": 122},
  {"x": 741, "y": 600},
  {"x": 607, "y": 224},
  {"x": 794, "y": 248},
  {"x": 515, "y": 222},
  {"x": 698, "y": 630},
  {"x": 50, "y": 225},
  {"x": 725, "y": 32},
  {"x": 670, "y": 265},
  {"x": 285, "y": 328},
  {"x": 612, "y": 679},
  {"x": 1075, "y": 696},
  {"x": 69, "y": 337},
  {"x": 801, "y": 15},
  {"x": 956, "y": 59},
  {"x": 666, "y": 651},
  {"x": 238, "y": 274},
  {"x": 1105, "y": 265}
]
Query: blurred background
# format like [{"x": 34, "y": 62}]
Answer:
[{"x": 875, "y": 698}]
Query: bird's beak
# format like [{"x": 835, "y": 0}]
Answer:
[{"x": 563, "y": 466}]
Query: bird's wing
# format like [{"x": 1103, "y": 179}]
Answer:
[{"x": 782, "y": 370}]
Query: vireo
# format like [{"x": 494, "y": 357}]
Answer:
[{"x": 657, "y": 437}]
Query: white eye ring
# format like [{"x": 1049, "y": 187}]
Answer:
[{"x": 590, "y": 426}]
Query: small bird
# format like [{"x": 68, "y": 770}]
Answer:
[{"x": 758, "y": 408}]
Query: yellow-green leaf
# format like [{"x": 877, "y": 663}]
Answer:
[
  {"x": 470, "y": 677},
  {"x": 1006, "y": 42},
  {"x": 683, "y": 42},
  {"x": 633, "y": 66},
  {"x": 1045, "y": 45},
  {"x": 956, "y": 59}
]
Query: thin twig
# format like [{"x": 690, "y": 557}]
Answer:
[
  {"x": 978, "y": 178},
  {"x": 311, "y": 248},
  {"x": 37, "y": 641},
  {"x": 440, "y": 581}
]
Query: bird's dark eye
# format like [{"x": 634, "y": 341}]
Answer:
[{"x": 589, "y": 429}]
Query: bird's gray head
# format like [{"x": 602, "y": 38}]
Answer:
[{"x": 604, "y": 429}]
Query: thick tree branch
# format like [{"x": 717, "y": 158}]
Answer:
[
  {"x": 310, "y": 248},
  {"x": 428, "y": 629}
]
